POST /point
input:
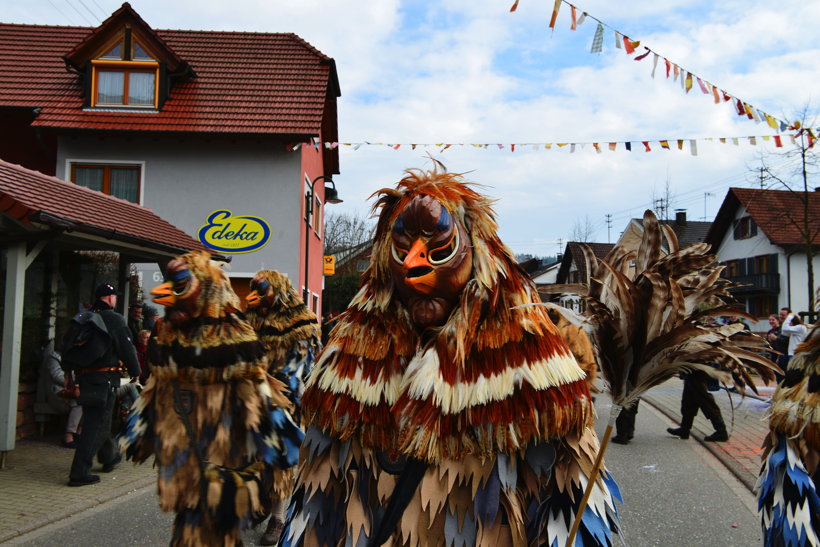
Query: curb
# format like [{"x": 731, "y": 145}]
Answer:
[{"x": 58, "y": 515}]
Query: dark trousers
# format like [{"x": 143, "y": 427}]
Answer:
[
  {"x": 95, "y": 439},
  {"x": 696, "y": 397},
  {"x": 625, "y": 422}
]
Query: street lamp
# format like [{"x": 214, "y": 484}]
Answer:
[{"x": 331, "y": 196}]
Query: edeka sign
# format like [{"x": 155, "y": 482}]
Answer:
[{"x": 229, "y": 234}]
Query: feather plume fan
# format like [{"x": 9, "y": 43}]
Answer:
[{"x": 649, "y": 326}]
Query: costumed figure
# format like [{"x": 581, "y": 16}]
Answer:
[
  {"x": 210, "y": 414},
  {"x": 439, "y": 413},
  {"x": 787, "y": 487},
  {"x": 290, "y": 333}
]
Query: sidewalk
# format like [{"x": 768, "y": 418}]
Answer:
[
  {"x": 34, "y": 487},
  {"x": 34, "y": 491},
  {"x": 746, "y": 423}
]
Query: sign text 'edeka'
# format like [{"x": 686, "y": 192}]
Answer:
[{"x": 229, "y": 234}]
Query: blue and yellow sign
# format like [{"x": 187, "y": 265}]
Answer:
[{"x": 229, "y": 234}]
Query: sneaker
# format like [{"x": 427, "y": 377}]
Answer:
[
  {"x": 109, "y": 467},
  {"x": 678, "y": 432},
  {"x": 620, "y": 439},
  {"x": 83, "y": 481}
]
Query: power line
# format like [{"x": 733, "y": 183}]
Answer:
[
  {"x": 94, "y": 15},
  {"x": 79, "y": 12},
  {"x": 63, "y": 15}
]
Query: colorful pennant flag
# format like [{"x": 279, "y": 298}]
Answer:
[{"x": 598, "y": 40}]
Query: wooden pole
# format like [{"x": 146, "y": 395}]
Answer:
[{"x": 593, "y": 476}]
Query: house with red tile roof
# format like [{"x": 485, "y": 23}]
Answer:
[
  {"x": 185, "y": 123},
  {"x": 760, "y": 236},
  {"x": 166, "y": 140}
]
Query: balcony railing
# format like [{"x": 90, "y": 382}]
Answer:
[{"x": 759, "y": 283}]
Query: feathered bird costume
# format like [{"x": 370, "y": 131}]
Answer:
[
  {"x": 438, "y": 414},
  {"x": 290, "y": 333},
  {"x": 787, "y": 487},
  {"x": 210, "y": 414}
]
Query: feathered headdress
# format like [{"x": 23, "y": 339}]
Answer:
[{"x": 459, "y": 395}]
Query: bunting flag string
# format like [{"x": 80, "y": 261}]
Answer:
[
  {"x": 629, "y": 46},
  {"x": 649, "y": 145}
]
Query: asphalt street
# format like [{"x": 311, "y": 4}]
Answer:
[{"x": 675, "y": 493}]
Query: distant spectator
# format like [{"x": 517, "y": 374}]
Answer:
[
  {"x": 149, "y": 317},
  {"x": 778, "y": 341},
  {"x": 50, "y": 385},
  {"x": 141, "y": 344},
  {"x": 794, "y": 328},
  {"x": 135, "y": 321}
]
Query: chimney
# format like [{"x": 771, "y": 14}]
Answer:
[{"x": 680, "y": 217}]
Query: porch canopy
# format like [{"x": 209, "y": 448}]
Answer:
[{"x": 40, "y": 212}]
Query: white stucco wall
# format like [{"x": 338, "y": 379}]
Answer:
[
  {"x": 184, "y": 181},
  {"x": 793, "y": 271}
]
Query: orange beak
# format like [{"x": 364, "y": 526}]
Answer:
[
  {"x": 253, "y": 299},
  {"x": 164, "y": 294},
  {"x": 420, "y": 274}
]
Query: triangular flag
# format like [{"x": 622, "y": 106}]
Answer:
[
  {"x": 514, "y": 6},
  {"x": 654, "y": 64},
  {"x": 582, "y": 18},
  {"x": 668, "y": 66},
  {"x": 548, "y": 146},
  {"x": 445, "y": 147},
  {"x": 753, "y": 141},
  {"x": 618, "y": 40},
  {"x": 512, "y": 147},
  {"x": 500, "y": 146},
  {"x": 597, "y": 148},
  {"x": 702, "y": 87},
  {"x": 676, "y": 71},
  {"x": 778, "y": 142},
  {"x": 629, "y": 45},
  {"x": 693, "y": 147},
  {"x": 643, "y": 56},
  {"x": 726, "y": 97},
  {"x": 574, "y": 25},
  {"x": 734, "y": 141},
  {"x": 664, "y": 145},
  {"x": 715, "y": 93},
  {"x": 740, "y": 110},
  {"x": 723, "y": 140},
  {"x": 613, "y": 145},
  {"x": 555, "y": 8},
  {"x": 628, "y": 146},
  {"x": 572, "y": 148},
  {"x": 688, "y": 82},
  {"x": 680, "y": 144},
  {"x": 598, "y": 40},
  {"x": 646, "y": 144}
]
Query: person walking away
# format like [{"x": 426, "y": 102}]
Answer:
[
  {"x": 135, "y": 321},
  {"x": 102, "y": 376},
  {"x": 696, "y": 397},
  {"x": 794, "y": 328},
  {"x": 625, "y": 424}
]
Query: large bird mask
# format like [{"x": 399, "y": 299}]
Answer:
[{"x": 431, "y": 260}]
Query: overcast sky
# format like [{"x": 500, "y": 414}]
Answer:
[{"x": 467, "y": 72}]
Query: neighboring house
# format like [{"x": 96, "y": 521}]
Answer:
[
  {"x": 59, "y": 240},
  {"x": 183, "y": 122},
  {"x": 754, "y": 235},
  {"x": 687, "y": 232},
  {"x": 547, "y": 274},
  {"x": 573, "y": 269}
]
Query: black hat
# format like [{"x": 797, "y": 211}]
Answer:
[{"x": 105, "y": 289}]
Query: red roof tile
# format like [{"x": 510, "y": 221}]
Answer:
[
  {"x": 24, "y": 193},
  {"x": 776, "y": 212},
  {"x": 258, "y": 83}
]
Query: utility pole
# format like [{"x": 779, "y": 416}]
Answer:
[
  {"x": 706, "y": 195},
  {"x": 608, "y": 227}
]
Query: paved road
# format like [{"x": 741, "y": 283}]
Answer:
[{"x": 675, "y": 493}]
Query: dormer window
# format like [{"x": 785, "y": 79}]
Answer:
[{"x": 125, "y": 75}]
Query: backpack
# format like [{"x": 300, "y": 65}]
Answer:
[{"x": 86, "y": 341}]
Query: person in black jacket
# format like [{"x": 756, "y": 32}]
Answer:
[{"x": 96, "y": 436}]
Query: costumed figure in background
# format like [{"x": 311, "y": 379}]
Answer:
[
  {"x": 290, "y": 333},
  {"x": 787, "y": 487},
  {"x": 439, "y": 413},
  {"x": 212, "y": 416}
]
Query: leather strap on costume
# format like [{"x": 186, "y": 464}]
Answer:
[{"x": 103, "y": 369}]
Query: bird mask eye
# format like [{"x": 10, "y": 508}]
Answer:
[
  {"x": 180, "y": 281},
  {"x": 261, "y": 287}
]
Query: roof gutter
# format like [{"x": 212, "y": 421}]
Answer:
[{"x": 68, "y": 225}]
